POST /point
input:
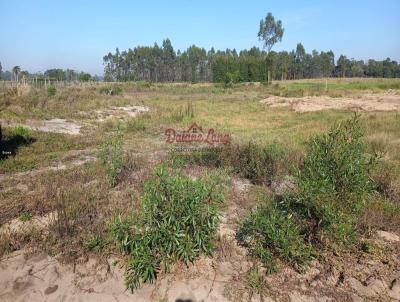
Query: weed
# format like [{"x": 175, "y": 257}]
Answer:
[
  {"x": 255, "y": 281},
  {"x": 367, "y": 247},
  {"x": 25, "y": 216},
  {"x": 94, "y": 243},
  {"x": 111, "y": 155}
]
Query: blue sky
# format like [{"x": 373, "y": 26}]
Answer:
[{"x": 43, "y": 34}]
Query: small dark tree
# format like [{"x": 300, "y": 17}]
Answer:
[
  {"x": 85, "y": 77},
  {"x": 270, "y": 33}
]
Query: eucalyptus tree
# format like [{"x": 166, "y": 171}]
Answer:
[
  {"x": 270, "y": 33},
  {"x": 16, "y": 70}
]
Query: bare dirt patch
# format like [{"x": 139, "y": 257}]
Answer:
[
  {"x": 389, "y": 101},
  {"x": 120, "y": 112},
  {"x": 55, "y": 125}
]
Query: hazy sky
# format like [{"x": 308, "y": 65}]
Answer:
[{"x": 41, "y": 34}]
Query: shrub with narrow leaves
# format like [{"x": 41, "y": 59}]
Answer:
[{"x": 177, "y": 221}]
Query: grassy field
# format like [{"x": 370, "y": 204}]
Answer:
[{"x": 49, "y": 173}]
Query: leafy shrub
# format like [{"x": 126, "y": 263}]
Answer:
[
  {"x": 20, "y": 132},
  {"x": 111, "y": 155},
  {"x": 177, "y": 221},
  {"x": 269, "y": 232},
  {"x": 51, "y": 90},
  {"x": 231, "y": 78}
]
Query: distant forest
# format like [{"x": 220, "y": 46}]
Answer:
[
  {"x": 55, "y": 74},
  {"x": 164, "y": 64}
]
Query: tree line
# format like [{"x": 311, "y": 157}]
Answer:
[
  {"x": 54, "y": 74},
  {"x": 163, "y": 64}
]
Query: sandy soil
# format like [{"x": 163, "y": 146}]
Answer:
[
  {"x": 364, "y": 277},
  {"x": 389, "y": 101},
  {"x": 54, "y": 125}
]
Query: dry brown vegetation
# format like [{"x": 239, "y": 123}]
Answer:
[{"x": 56, "y": 197}]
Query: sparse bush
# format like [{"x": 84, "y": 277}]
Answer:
[
  {"x": 255, "y": 162},
  {"x": 177, "y": 221},
  {"x": 269, "y": 232},
  {"x": 51, "y": 90},
  {"x": 111, "y": 155},
  {"x": 75, "y": 210}
]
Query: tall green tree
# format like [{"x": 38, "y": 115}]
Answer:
[{"x": 270, "y": 33}]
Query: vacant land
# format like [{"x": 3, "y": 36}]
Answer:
[{"x": 302, "y": 205}]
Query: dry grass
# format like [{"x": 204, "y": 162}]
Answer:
[{"x": 83, "y": 199}]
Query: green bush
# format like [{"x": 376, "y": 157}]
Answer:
[
  {"x": 177, "y": 221},
  {"x": 336, "y": 179},
  {"x": 231, "y": 78},
  {"x": 51, "y": 90},
  {"x": 269, "y": 232},
  {"x": 111, "y": 155},
  {"x": 332, "y": 187}
]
